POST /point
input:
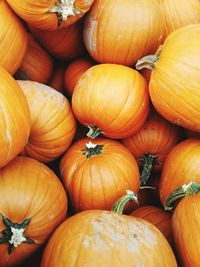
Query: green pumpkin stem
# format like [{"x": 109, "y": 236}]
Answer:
[
  {"x": 92, "y": 149},
  {"x": 148, "y": 62},
  {"x": 93, "y": 132},
  {"x": 121, "y": 203},
  {"x": 148, "y": 161},
  {"x": 189, "y": 189}
]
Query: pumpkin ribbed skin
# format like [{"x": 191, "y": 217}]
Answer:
[
  {"x": 37, "y": 12},
  {"x": 181, "y": 167},
  {"x": 14, "y": 118},
  {"x": 113, "y": 35},
  {"x": 175, "y": 80},
  {"x": 64, "y": 44},
  {"x": 113, "y": 98},
  {"x": 100, "y": 238},
  {"x": 98, "y": 181},
  {"x": 29, "y": 189},
  {"x": 13, "y": 39},
  {"x": 176, "y": 16},
  {"x": 53, "y": 125},
  {"x": 37, "y": 65}
]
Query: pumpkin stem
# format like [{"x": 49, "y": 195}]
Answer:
[
  {"x": 120, "y": 204},
  {"x": 64, "y": 9},
  {"x": 148, "y": 161},
  {"x": 13, "y": 234},
  {"x": 93, "y": 132},
  {"x": 189, "y": 189},
  {"x": 92, "y": 149},
  {"x": 148, "y": 62}
]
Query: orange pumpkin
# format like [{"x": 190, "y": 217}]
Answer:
[
  {"x": 33, "y": 203},
  {"x": 175, "y": 81},
  {"x": 73, "y": 73},
  {"x": 176, "y": 17},
  {"x": 57, "y": 77},
  {"x": 37, "y": 65},
  {"x": 103, "y": 238},
  {"x": 112, "y": 34},
  {"x": 13, "y": 39},
  {"x": 14, "y": 118},
  {"x": 52, "y": 123},
  {"x": 50, "y": 15},
  {"x": 181, "y": 167},
  {"x": 111, "y": 100},
  {"x": 64, "y": 44},
  {"x": 151, "y": 144},
  {"x": 96, "y": 173}
]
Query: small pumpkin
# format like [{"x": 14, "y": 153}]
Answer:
[
  {"x": 14, "y": 118},
  {"x": 13, "y": 39},
  {"x": 113, "y": 35},
  {"x": 50, "y": 15},
  {"x": 96, "y": 173},
  {"x": 53, "y": 125},
  {"x": 37, "y": 64},
  {"x": 112, "y": 100},
  {"x": 73, "y": 73},
  {"x": 33, "y": 203}
]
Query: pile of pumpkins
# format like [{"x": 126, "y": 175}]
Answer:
[{"x": 100, "y": 133}]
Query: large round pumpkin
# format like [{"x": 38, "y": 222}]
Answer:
[
  {"x": 53, "y": 125},
  {"x": 14, "y": 118},
  {"x": 37, "y": 64},
  {"x": 175, "y": 79},
  {"x": 97, "y": 172},
  {"x": 103, "y": 238},
  {"x": 50, "y": 15},
  {"x": 181, "y": 167},
  {"x": 112, "y": 100},
  {"x": 33, "y": 203},
  {"x": 123, "y": 31},
  {"x": 13, "y": 39}
]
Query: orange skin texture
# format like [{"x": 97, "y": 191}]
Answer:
[
  {"x": 99, "y": 181},
  {"x": 175, "y": 81},
  {"x": 185, "y": 226},
  {"x": 112, "y": 97},
  {"x": 157, "y": 137},
  {"x": 181, "y": 167},
  {"x": 57, "y": 78},
  {"x": 37, "y": 64},
  {"x": 63, "y": 44},
  {"x": 104, "y": 238},
  {"x": 158, "y": 217},
  {"x": 113, "y": 35},
  {"x": 30, "y": 189},
  {"x": 36, "y": 12},
  {"x": 73, "y": 73},
  {"x": 53, "y": 125},
  {"x": 13, "y": 39},
  {"x": 176, "y": 15},
  {"x": 14, "y": 118}
]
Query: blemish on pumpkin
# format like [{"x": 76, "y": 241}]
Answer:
[{"x": 86, "y": 242}]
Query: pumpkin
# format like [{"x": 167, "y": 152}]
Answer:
[
  {"x": 50, "y": 15},
  {"x": 112, "y": 100},
  {"x": 14, "y": 118},
  {"x": 95, "y": 173},
  {"x": 151, "y": 144},
  {"x": 33, "y": 203},
  {"x": 13, "y": 39},
  {"x": 52, "y": 123},
  {"x": 63, "y": 44},
  {"x": 57, "y": 77},
  {"x": 158, "y": 217},
  {"x": 73, "y": 73},
  {"x": 37, "y": 65},
  {"x": 103, "y": 238},
  {"x": 175, "y": 80},
  {"x": 176, "y": 17},
  {"x": 113, "y": 35},
  {"x": 181, "y": 167}
]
